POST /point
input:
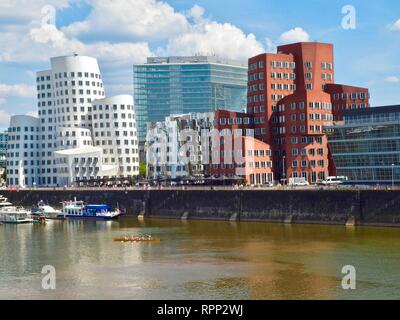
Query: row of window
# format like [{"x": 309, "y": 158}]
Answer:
[
  {"x": 259, "y": 153},
  {"x": 64, "y": 75},
  {"x": 115, "y": 133},
  {"x": 229, "y": 121},
  {"x": 306, "y": 164},
  {"x": 296, "y": 129},
  {"x": 11, "y": 155},
  {"x": 273, "y": 64},
  {"x": 117, "y": 142},
  {"x": 352, "y": 106},
  {"x": 254, "y": 66},
  {"x": 89, "y": 109},
  {"x": 314, "y": 175},
  {"x": 26, "y": 129},
  {"x": 353, "y": 96},
  {"x": 306, "y": 140},
  {"x": 119, "y": 151},
  {"x": 283, "y": 75},
  {"x": 312, "y": 105},
  {"x": 67, "y": 101},
  {"x": 311, "y": 152},
  {"x": 74, "y": 92}
]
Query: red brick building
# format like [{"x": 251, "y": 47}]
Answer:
[
  {"x": 291, "y": 96},
  {"x": 345, "y": 98}
]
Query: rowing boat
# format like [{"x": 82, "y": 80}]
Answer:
[{"x": 137, "y": 239}]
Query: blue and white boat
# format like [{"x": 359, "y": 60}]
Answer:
[{"x": 80, "y": 210}]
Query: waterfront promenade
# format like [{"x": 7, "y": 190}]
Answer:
[{"x": 301, "y": 205}]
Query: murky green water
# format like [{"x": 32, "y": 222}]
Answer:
[{"x": 198, "y": 260}]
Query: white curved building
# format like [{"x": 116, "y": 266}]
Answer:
[
  {"x": 114, "y": 130},
  {"x": 66, "y": 95},
  {"x": 23, "y": 151}
]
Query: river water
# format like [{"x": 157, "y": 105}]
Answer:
[{"x": 198, "y": 260}]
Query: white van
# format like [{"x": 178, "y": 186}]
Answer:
[
  {"x": 334, "y": 180},
  {"x": 298, "y": 182}
]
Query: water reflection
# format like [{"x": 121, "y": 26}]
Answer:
[{"x": 197, "y": 260}]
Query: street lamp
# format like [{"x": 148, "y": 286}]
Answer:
[{"x": 392, "y": 175}]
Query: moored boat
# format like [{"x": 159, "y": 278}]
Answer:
[
  {"x": 45, "y": 211},
  {"x": 80, "y": 210},
  {"x": 12, "y": 214},
  {"x": 4, "y": 202},
  {"x": 16, "y": 215}
]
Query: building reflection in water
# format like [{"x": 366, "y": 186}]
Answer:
[{"x": 196, "y": 260}]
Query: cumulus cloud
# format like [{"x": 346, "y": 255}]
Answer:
[
  {"x": 196, "y": 13},
  {"x": 17, "y": 90},
  {"x": 392, "y": 79},
  {"x": 137, "y": 19},
  {"x": 294, "y": 35},
  {"x": 395, "y": 26},
  {"x": 25, "y": 10},
  {"x": 46, "y": 41},
  {"x": 186, "y": 33},
  {"x": 211, "y": 37},
  {"x": 126, "y": 29},
  {"x": 183, "y": 33}
]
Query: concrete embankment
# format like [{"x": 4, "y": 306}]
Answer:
[{"x": 342, "y": 207}]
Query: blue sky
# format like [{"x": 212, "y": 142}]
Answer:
[{"x": 128, "y": 31}]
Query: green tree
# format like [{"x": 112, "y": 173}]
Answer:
[{"x": 142, "y": 170}]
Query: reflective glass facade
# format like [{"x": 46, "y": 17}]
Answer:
[
  {"x": 3, "y": 148},
  {"x": 178, "y": 85},
  {"x": 366, "y": 146}
]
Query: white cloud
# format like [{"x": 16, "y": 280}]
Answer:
[
  {"x": 17, "y": 90},
  {"x": 392, "y": 79},
  {"x": 185, "y": 34},
  {"x": 395, "y": 26},
  {"x": 125, "y": 27},
  {"x": 137, "y": 19},
  {"x": 196, "y": 12},
  {"x": 27, "y": 10},
  {"x": 210, "y": 37},
  {"x": 294, "y": 35},
  {"x": 43, "y": 42}
]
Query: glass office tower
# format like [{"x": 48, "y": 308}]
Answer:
[
  {"x": 366, "y": 145},
  {"x": 3, "y": 148},
  {"x": 178, "y": 85}
]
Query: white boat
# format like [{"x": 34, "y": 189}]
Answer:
[
  {"x": 80, "y": 210},
  {"x": 4, "y": 202},
  {"x": 13, "y": 214},
  {"x": 46, "y": 211}
]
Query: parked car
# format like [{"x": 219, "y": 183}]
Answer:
[{"x": 298, "y": 182}]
